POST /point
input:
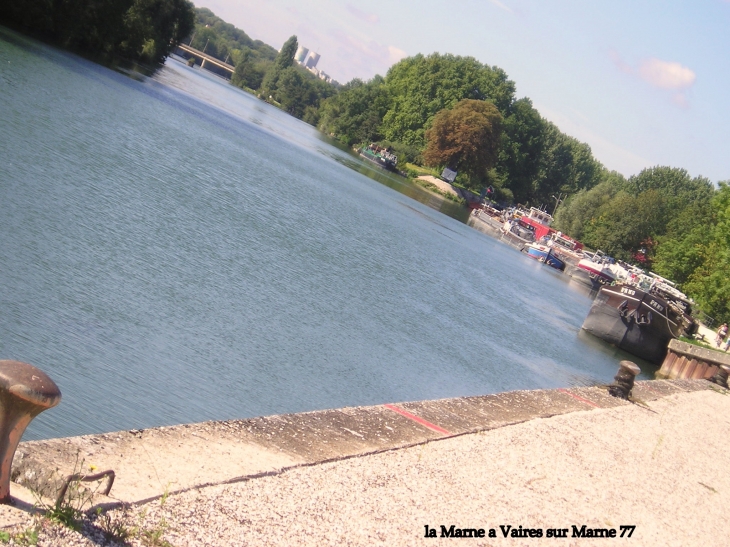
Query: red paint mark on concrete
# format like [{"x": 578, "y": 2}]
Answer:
[
  {"x": 417, "y": 419},
  {"x": 586, "y": 401}
]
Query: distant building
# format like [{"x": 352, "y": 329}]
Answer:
[
  {"x": 312, "y": 60},
  {"x": 309, "y": 59},
  {"x": 301, "y": 54}
]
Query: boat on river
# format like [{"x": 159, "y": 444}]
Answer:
[
  {"x": 517, "y": 233},
  {"x": 382, "y": 157},
  {"x": 537, "y": 220},
  {"x": 597, "y": 269},
  {"x": 567, "y": 248},
  {"x": 545, "y": 254},
  {"x": 641, "y": 316}
]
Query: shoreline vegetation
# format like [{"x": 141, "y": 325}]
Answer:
[
  {"x": 435, "y": 111},
  {"x": 106, "y": 31},
  {"x": 431, "y": 187}
]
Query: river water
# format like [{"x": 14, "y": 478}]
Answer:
[{"x": 174, "y": 250}]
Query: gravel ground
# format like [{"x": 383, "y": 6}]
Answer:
[{"x": 661, "y": 469}]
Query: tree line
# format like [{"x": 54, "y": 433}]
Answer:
[
  {"x": 664, "y": 220},
  {"x": 105, "y": 30},
  {"x": 260, "y": 69}
]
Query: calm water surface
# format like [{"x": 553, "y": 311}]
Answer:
[{"x": 174, "y": 250}]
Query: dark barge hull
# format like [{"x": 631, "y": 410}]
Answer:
[{"x": 633, "y": 320}]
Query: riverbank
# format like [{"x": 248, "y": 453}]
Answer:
[
  {"x": 379, "y": 475},
  {"x": 444, "y": 188}
]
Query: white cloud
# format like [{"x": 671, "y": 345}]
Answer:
[
  {"x": 666, "y": 75},
  {"x": 662, "y": 75},
  {"x": 398, "y": 54},
  {"x": 362, "y": 15}
]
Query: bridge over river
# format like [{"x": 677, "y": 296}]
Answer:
[{"x": 206, "y": 59}]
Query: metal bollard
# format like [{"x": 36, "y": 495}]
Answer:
[
  {"x": 624, "y": 380},
  {"x": 720, "y": 377},
  {"x": 25, "y": 392}
]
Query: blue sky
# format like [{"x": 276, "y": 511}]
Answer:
[{"x": 643, "y": 82}]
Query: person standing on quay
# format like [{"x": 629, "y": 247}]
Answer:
[{"x": 721, "y": 334}]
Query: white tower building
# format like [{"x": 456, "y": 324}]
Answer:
[
  {"x": 312, "y": 60},
  {"x": 301, "y": 54}
]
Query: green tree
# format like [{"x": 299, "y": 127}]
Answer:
[
  {"x": 285, "y": 58},
  {"x": 283, "y": 61},
  {"x": 699, "y": 259},
  {"x": 626, "y": 224},
  {"x": 297, "y": 91},
  {"x": 655, "y": 216},
  {"x": 226, "y": 42},
  {"x": 523, "y": 143},
  {"x": 249, "y": 72},
  {"x": 422, "y": 86},
  {"x": 583, "y": 207},
  {"x": 465, "y": 138},
  {"x": 154, "y": 27},
  {"x": 566, "y": 165},
  {"x": 355, "y": 114},
  {"x": 679, "y": 257},
  {"x": 294, "y": 92},
  {"x": 145, "y": 30}
]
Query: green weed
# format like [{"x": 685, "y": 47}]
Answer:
[
  {"x": 26, "y": 537},
  {"x": 114, "y": 526},
  {"x": 68, "y": 510},
  {"x": 153, "y": 537}
]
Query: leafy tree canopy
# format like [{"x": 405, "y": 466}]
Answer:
[
  {"x": 144, "y": 30},
  {"x": 566, "y": 165},
  {"x": 675, "y": 184},
  {"x": 699, "y": 258},
  {"x": 285, "y": 58},
  {"x": 226, "y": 42},
  {"x": 583, "y": 207},
  {"x": 236, "y": 38},
  {"x": 638, "y": 217},
  {"x": 155, "y": 26},
  {"x": 355, "y": 114},
  {"x": 249, "y": 72},
  {"x": 422, "y": 86},
  {"x": 625, "y": 225},
  {"x": 523, "y": 143},
  {"x": 465, "y": 138}
]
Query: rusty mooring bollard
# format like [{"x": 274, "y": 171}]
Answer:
[
  {"x": 624, "y": 379},
  {"x": 25, "y": 392},
  {"x": 720, "y": 377}
]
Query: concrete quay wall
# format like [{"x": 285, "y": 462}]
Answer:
[
  {"x": 686, "y": 361},
  {"x": 155, "y": 462}
]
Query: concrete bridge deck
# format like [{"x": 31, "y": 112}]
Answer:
[{"x": 205, "y": 58}]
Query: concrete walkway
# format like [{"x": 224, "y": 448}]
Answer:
[{"x": 381, "y": 475}]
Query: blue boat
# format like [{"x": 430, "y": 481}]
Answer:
[{"x": 545, "y": 254}]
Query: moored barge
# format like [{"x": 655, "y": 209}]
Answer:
[{"x": 639, "y": 320}]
